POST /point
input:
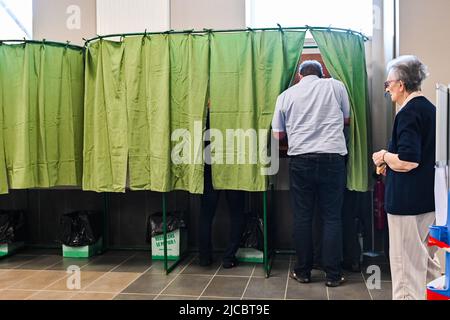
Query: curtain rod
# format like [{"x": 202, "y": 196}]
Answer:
[
  {"x": 205, "y": 31},
  {"x": 53, "y": 43}
]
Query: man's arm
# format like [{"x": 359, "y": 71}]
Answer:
[
  {"x": 279, "y": 135},
  {"x": 278, "y": 121},
  {"x": 346, "y": 121}
]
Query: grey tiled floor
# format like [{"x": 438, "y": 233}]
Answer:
[{"x": 40, "y": 274}]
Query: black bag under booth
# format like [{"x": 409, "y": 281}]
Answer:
[
  {"x": 81, "y": 228},
  {"x": 12, "y": 226}
]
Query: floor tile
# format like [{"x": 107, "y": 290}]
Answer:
[
  {"x": 104, "y": 263},
  {"x": 271, "y": 288},
  {"x": 135, "y": 297},
  {"x": 93, "y": 296},
  {"x": 118, "y": 253},
  {"x": 51, "y": 295},
  {"x": 40, "y": 280},
  {"x": 10, "y": 277},
  {"x": 149, "y": 284},
  {"x": 350, "y": 290},
  {"x": 15, "y": 294},
  {"x": 68, "y": 262},
  {"x": 306, "y": 291},
  {"x": 242, "y": 269},
  {"x": 226, "y": 287},
  {"x": 112, "y": 282},
  {"x": 40, "y": 252},
  {"x": 157, "y": 267},
  {"x": 280, "y": 269},
  {"x": 169, "y": 297},
  {"x": 219, "y": 298},
  {"x": 138, "y": 264},
  {"x": 41, "y": 263},
  {"x": 356, "y": 276},
  {"x": 195, "y": 268},
  {"x": 87, "y": 278},
  {"x": 190, "y": 285},
  {"x": 15, "y": 261},
  {"x": 384, "y": 293}
]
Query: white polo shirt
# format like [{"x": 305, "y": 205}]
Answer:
[{"x": 312, "y": 114}]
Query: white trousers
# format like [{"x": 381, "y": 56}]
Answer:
[{"x": 413, "y": 263}]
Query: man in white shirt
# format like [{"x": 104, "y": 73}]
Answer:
[{"x": 312, "y": 114}]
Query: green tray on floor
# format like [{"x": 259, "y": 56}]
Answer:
[
  {"x": 83, "y": 252},
  {"x": 250, "y": 255},
  {"x": 8, "y": 249}
]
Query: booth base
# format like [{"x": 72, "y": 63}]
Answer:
[
  {"x": 83, "y": 252},
  {"x": 176, "y": 245},
  {"x": 9, "y": 248},
  {"x": 250, "y": 255}
]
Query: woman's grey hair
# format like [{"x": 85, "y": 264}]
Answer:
[{"x": 410, "y": 70}]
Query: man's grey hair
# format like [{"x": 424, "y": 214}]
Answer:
[
  {"x": 410, "y": 70},
  {"x": 311, "y": 67}
]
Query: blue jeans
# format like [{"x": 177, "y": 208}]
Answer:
[{"x": 322, "y": 176}]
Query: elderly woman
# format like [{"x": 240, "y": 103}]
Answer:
[{"x": 409, "y": 168}]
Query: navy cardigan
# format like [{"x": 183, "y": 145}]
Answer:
[{"x": 414, "y": 140}]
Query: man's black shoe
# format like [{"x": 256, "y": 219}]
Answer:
[
  {"x": 335, "y": 283},
  {"x": 294, "y": 276},
  {"x": 229, "y": 264}
]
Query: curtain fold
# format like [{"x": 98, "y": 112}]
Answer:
[
  {"x": 105, "y": 119},
  {"x": 139, "y": 93},
  {"x": 344, "y": 57},
  {"x": 248, "y": 71},
  {"x": 42, "y": 105}
]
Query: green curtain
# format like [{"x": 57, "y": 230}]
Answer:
[
  {"x": 3, "y": 175},
  {"x": 248, "y": 72},
  {"x": 42, "y": 105},
  {"x": 138, "y": 93},
  {"x": 105, "y": 151},
  {"x": 344, "y": 57}
]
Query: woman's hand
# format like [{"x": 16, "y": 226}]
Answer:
[{"x": 377, "y": 158}]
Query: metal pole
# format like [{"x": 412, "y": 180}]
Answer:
[
  {"x": 165, "y": 231},
  {"x": 205, "y": 31},
  {"x": 53, "y": 43},
  {"x": 265, "y": 257}
]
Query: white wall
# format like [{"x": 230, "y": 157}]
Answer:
[
  {"x": 211, "y": 14},
  {"x": 424, "y": 30},
  {"x": 125, "y": 16},
  {"x": 64, "y": 20}
]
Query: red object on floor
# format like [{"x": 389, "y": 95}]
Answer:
[{"x": 435, "y": 296}]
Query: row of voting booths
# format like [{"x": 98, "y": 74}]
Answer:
[{"x": 117, "y": 127}]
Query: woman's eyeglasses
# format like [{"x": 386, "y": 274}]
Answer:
[{"x": 388, "y": 83}]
